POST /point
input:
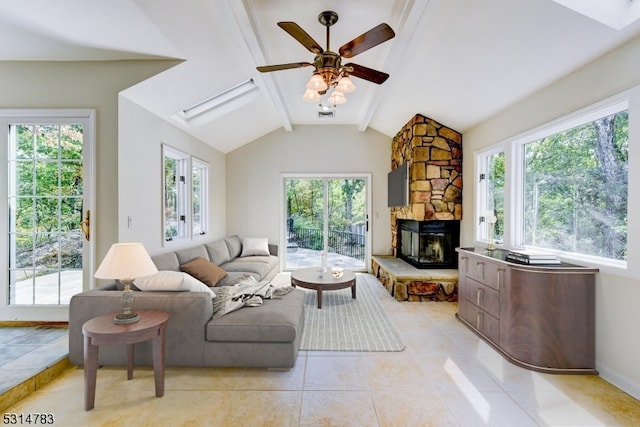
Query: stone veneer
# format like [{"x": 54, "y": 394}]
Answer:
[
  {"x": 434, "y": 155},
  {"x": 407, "y": 283}
]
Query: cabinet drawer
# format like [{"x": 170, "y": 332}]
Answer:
[
  {"x": 486, "y": 298},
  {"x": 489, "y": 326},
  {"x": 489, "y": 273},
  {"x": 482, "y": 321}
]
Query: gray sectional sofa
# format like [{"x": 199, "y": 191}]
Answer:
[{"x": 267, "y": 336}]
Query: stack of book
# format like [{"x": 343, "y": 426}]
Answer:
[{"x": 532, "y": 257}]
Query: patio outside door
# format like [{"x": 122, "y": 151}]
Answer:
[
  {"x": 327, "y": 214},
  {"x": 47, "y": 219}
]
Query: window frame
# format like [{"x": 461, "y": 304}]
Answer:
[
  {"x": 181, "y": 191},
  {"x": 203, "y": 169},
  {"x": 514, "y": 179},
  {"x": 482, "y": 193}
]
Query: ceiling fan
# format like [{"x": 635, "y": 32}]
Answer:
[{"x": 329, "y": 71}]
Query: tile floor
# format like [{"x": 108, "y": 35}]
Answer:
[
  {"x": 25, "y": 351},
  {"x": 445, "y": 377}
]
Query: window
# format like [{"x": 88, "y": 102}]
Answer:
[
  {"x": 562, "y": 187},
  {"x": 199, "y": 191},
  {"x": 491, "y": 197},
  {"x": 575, "y": 189},
  {"x": 175, "y": 193},
  {"x": 185, "y": 195}
]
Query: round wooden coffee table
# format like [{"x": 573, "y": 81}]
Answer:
[
  {"x": 313, "y": 278},
  {"x": 103, "y": 331}
]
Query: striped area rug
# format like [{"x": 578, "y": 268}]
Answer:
[{"x": 347, "y": 324}]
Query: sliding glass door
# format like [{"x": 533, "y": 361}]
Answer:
[{"x": 327, "y": 214}]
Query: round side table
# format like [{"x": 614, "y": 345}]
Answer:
[
  {"x": 103, "y": 331},
  {"x": 311, "y": 278}
]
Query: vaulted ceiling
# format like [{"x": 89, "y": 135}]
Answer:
[{"x": 456, "y": 61}]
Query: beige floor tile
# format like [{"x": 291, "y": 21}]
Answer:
[
  {"x": 391, "y": 371},
  {"x": 337, "y": 408},
  {"x": 335, "y": 373},
  {"x": 493, "y": 408},
  {"x": 419, "y": 408},
  {"x": 555, "y": 407},
  {"x": 262, "y": 409},
  {"x": 265, "y": 379}
]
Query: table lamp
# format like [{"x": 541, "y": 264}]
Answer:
[{"x": 125, "y": 262}]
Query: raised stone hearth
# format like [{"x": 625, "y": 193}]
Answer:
[{"x": 404, "y": 282}]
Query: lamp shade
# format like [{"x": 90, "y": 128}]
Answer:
[
  {"x": 311, "y": 96},
  {"x": 337, "y": 98},
  {"x": 345, "y": 85},
  {"x": 126, "y": 261},
  {"x": 317, "y": 83}
]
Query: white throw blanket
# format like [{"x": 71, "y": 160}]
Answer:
[{"x": 247, "y": 292}]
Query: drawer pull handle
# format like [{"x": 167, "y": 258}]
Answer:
[
  {"x": 479, "y": 320},
  {"x": 500, "y": 277},
  {"x": 480, "y": 269},
  {"x": 478, "y": 296}
]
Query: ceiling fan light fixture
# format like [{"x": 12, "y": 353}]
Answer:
[
  {"x": 317, "y": 83},
  {"x": 345, "y": 85},
  {"x": 337, "y": 98},
  {"x": 311, "y": 96}
]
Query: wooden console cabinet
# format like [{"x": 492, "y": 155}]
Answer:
[{"x": 539, "y": 317}]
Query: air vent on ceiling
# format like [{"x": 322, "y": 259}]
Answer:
[{"x": 328, "y": 114}]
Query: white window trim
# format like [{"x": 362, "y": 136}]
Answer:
[
  {"x": 183, "y": 197},
  {"x": 204, "y": 202}
]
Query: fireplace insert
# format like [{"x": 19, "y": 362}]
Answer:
[{"x": 429, "y": 244}]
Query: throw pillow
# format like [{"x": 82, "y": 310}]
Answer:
[
  {"x": 161, "y": 281},
  {"x": 172, "y": 281},
  {"x": 192, "y": 284},
  {"x": 204, "y": 270},
  {"x": 255, "y": 246}
]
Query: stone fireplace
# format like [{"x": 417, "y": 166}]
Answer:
[
  {"x": 427, "y": 230},
  {"x": 434, "y": 155}
]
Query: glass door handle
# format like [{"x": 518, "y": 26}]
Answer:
[{"x": 86, "y": 225}]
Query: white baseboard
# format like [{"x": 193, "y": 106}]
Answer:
[{"x": 619, "y": 381}]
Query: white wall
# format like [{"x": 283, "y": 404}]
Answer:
[
  {"x": 254, "y": 175},
  {"x": 94, "y": 85},
  {"x": 617, "y": 316},
  {"x": 141, "y": 135}
]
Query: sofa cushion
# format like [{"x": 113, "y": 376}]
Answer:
[
  {"x": 167, "y": 262},
  {"x": 234, "y": 276},
  {"x": 161, "y": 281},
  {"x": 259, "y": 268},
  {"x": 189, "y": 254},
  {"x": 234, "y": 245},
  {"x": 252, "y": 246},
  {"x": 172, "y": 281},
  {"x": 204, "y": 270},
  {"x": 270, "y": 260},
  {"x": 274, "y": 321},
  {"x": 218, "y": 252}
]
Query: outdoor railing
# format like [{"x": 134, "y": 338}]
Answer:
[{"x": 340, "y": 242}]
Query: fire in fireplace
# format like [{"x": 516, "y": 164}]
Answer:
[{"x": 429, "y": 244}]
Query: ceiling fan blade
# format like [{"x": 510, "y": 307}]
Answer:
[
  {"x": 371, "y": 38},
  {"x": 301, "y": 35},
  {"x": 269, "y": 68},
  {"x": 366, "y": 73}
]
